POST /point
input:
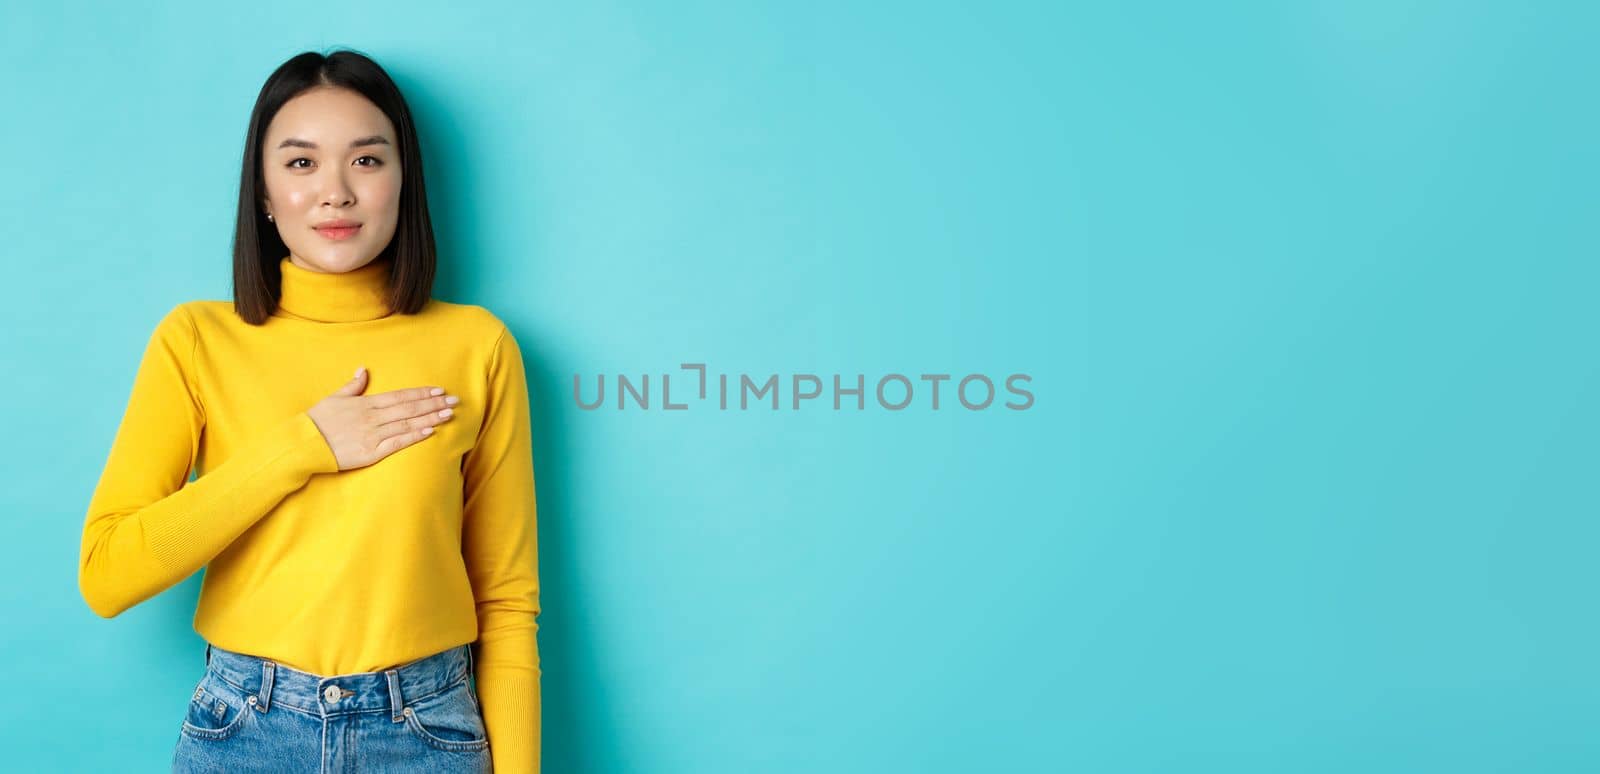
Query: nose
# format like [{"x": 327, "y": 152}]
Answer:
[{"x": 335, "y": 191}]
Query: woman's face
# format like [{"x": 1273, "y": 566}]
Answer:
[{"x": 330, "y": 154}]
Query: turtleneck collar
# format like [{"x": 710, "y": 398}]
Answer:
[{"x": 352, "y": 296}]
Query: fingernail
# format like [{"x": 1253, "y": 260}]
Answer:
[
  {"x": 359, "y": 372},
  {"x": 436, "y": 391}
]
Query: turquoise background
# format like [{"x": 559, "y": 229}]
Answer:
[{"x": 1306, "y": 291}]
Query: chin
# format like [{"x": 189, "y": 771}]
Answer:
[{"x": 346, "y": 260}]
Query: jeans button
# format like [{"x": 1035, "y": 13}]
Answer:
[{"x": 332, "y": 694}]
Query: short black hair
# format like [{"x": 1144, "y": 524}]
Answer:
[{"x": 257, "y": 248}]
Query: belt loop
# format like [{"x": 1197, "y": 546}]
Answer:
[
  {"x": 268, "y": 668},
  {"x": 397, "y": 702}
]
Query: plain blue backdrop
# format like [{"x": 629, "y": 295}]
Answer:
[{"x": 1306, "y": 292}]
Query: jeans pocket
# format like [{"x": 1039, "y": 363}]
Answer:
[
  {"x": 449, "y": 720},
  {"x": 216, "y": 709}
]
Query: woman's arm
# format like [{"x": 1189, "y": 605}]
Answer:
[
  {"x": 146, "y": 531},
  {"x": 500, "y": 546}
]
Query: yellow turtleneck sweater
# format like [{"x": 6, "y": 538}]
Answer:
[{"x": 322, "y": 570}]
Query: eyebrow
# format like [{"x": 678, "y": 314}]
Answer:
[{"x": 296, "y": 142}]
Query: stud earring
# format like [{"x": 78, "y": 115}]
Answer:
[{"x": 269, "y": 216}]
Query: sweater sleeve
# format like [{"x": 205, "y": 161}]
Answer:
[
  {"x": 148, "y": 527},
  {"x": 500, "y": 547}
]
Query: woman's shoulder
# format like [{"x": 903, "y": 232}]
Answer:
[
  {"x": 198, "y": 309},
  {"x": 469, "y": 320},
  {"x": 203, "y": 315},
  {"x": 179, "y": 319},
  {"x": 471, "y": 314}
]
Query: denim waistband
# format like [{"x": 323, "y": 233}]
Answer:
[{"x": 326, "y": 695}]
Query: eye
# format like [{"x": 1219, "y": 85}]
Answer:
[{"x": 377, "y": 162}]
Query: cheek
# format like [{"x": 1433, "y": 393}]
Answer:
[
  {"x": 386, "y": 189},
  {"x": 291, "y": 193},
  {"x": 383, "y": 194}
]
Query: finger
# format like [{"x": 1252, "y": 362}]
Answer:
[
  {"x": 396, "y": 397},
  {"x": 410, "y": 424},
  {"x": 356, "y": 384},
  {"x": 395, "y": 443},
  {"x": 417, "y": 408}
]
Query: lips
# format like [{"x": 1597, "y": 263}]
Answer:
[{"x": 338, "y": 232}]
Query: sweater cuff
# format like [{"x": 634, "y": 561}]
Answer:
[{"x": 305, "y": 447}]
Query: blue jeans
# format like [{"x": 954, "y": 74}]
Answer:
[{"x": 250, "y": 714}]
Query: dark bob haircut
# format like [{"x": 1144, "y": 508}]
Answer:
[{"x": 257, "y": 248}]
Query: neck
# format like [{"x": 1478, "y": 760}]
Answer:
[{"x": 352, "y": 296}]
